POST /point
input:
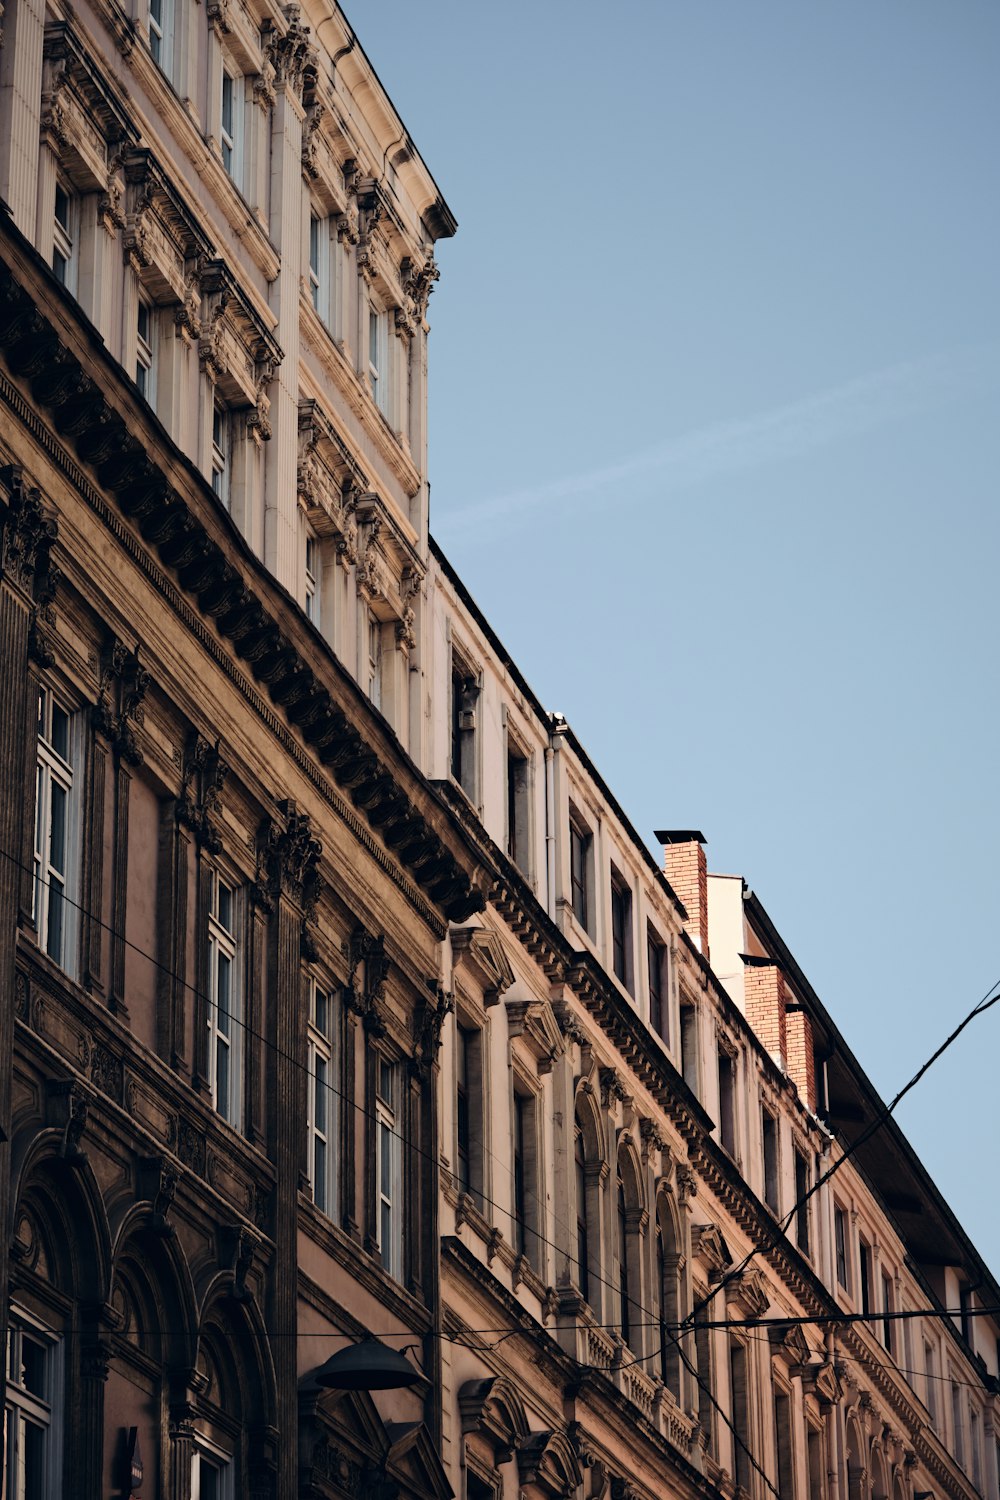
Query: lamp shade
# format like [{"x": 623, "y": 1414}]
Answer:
[{"x": 367, "y": 1366}]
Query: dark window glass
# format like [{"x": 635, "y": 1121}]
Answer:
[
  {"x": 801, "y": 1207},
  {"x": 658, "y": 1019},
  {"x": 579, "y": 850},
  {"x": 770, "y": 1134}
]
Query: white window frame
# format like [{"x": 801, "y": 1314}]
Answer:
[
  {"x": 323, "y": 1040},
  {"x": 161, "y": 36},
  {"x": 388, "y": 1167},
  {"x": 375, "y": 659},
  {"x": 66, "y": 236},
  {"x": 55, "y": 773},
  {"x": 25, "y": 1408},
  {"x": 222, "y": 452},
  {"x": 220, "y": 1461},
  {"x": 319, "y": 272},
  {"x": 379, "y": 377},
  {"x": 146, "y": 349},
  {"x": 225, "y": 1043},
  {"x": 313, "y": 576},
  {"x": 231, "y": 135}
]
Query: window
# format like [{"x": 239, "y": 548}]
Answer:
[
  {"x": 802, "y": 1202},
  {"x": 582, "y": 1238},
  {"x": 64, "y": 236},
  {"x": 706, "y": 1382},
  {"x": 389, "y": 1167},
  {"x": 740, "y": 1412},
  {"x": 231, "y": 125},
  {"x": 624, "y": 1290},
  {"x": 525, "y": 1181},
  {"x": 55, "y": 831},
  {"x": 33, "y": 1457},
  {"x": 930, "y": 1381},
  {"x": 727, "y": 1100},
  {"x": 469, "y": 1110},
  {"x": 161, "y": 34},
  {"x": 374, "y": 670},
  {"x": 656, "y": 965},
  {"x": 324, "y": 1095},
  {"x": 517, "y": 806},
  {"x": 579, "y": 871},
  {"x": 621, "y": 929},
  {"x": 689, "y": 1046},
  {"x": 211, "y": 1476},
  {"x": 464, "y": 694},
  {"x": 887, "y": 1308},
  {"x": 145, "y": 351},
  {"x": 313, "y": 563},
  {"x": 769, "y": 1131},
  {"x": 224, "y": 1008},
  {"x": 958, "y": 1422},
  {"x": 378, "y": 358},
  {"x": 319, "y": 256},
  {"x": 976, "y": 1462},
  {"x": 221, "y": 446},
  {"x": 817, "y": 1465},
  {"x": 840, "y": 1238},
  {"x": 865, "y": 1276},
  {"x": 783, "y": 1444}
]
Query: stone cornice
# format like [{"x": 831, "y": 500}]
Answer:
[{"x": 92, "y": 410}]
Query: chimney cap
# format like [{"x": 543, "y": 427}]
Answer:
[{"x": 680, "y": 836}]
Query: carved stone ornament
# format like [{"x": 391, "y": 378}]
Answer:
[
  {"x": 310, "y": 128},
  {"x": 121, "y": 692},
  {"x": 709, "y": 1246},
  {"x": 290, "y": 53},
  {"x": 534, "y": 1021},
  {"x": 431, "y": 1016},
  {"x": 418, "y": 282},
  {"x": 612, "y": 1087},
  {"x": 365, "y": 948},
  {"x": 203, "y": 777},
  {"x": 748, "y": 1293},
  {"x": 158, "y": 1186},
  {"x": 27, "y": 532},
  {"x": 66, "y": 1109},
  {"x": 237, "y": 1248},
  {"x": 483, "y": 954},
  {"x": 288, "y": 857}
]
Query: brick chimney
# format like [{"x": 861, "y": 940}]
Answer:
[
  {"x": 685, "y": 867},
  {"x": 801, "y": 1064},
  {"x": 764, "y": 1004}
]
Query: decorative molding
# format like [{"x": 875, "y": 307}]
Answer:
[{"x": 480, "y": 950}]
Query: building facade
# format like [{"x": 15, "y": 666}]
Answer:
[{"x": 339, "y": 994}]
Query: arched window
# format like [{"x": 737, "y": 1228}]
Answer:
[
  {"x": 582, "y": 1242},
  {"x": 624, "y": 1290}
]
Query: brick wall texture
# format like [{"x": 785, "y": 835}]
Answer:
[
  {"x": 765, "y": 999},
  {"x": 801, "y": 1064},
  {"x": 686, "y": 868}
]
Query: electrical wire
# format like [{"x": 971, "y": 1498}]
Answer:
[{"x": 686, "y": 1324}]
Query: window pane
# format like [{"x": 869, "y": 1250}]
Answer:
[
  {"x": 223, "y": 993},
  {"x": 321, "y": 1095},
  {"x": 319, "y": 1174},
  {"x": 57, "y": 828},
  {"x": 54, "y": 935},
  {"x": 34, "y": 1367},
  {"x": 222, "y": 1077},
  {"x": 225, "y": 907},
  {"x": 59, "y": 738}
]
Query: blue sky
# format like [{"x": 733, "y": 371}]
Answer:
[{"x": 714, "y": 375}]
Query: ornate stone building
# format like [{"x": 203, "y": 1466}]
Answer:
[{"x": 339, "y": 995}]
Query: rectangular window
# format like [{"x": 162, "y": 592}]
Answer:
[
  {"x": 706, "y": 1382},
  {"x": 55, "y": 832},
  {"x": 783, "y": 1443},
  {"x": 375, "y": 660},
  {"x": 389, "y": 1166},
  {"x": 801, "y": 1204},
  {"x": 865, "y": 1275},
  {"x": 64, "y": 237},
  {"x": 231, "y": 125},
  {"x": 225, "y": 1010},
  {"x": 579, "y": 871},
  {"x": 740, "y": 1412},
  {"x": 314, "y": 261},
  {"x": 958, "y": 1423},
  {"x": 689, "y": 1046},
  {"x": 33, "y": 1463},
  {"x": 161, "y": 34},
  {"x": 931, "y": 1381},
  {"x": 817, "y": 1466},
  {"x": 211, "y": 1476},
  {"x": 656, "y": 967},
  {"x": 145, "y": 351},
  {"x": 525, "y": 1166},
  {"x": 324, "y": 1094},
  {"x": 887, "y": 1309},
  {"x": 464, "y": 694},
  {"x": 727, "y": 1100},
  {"x": 517, "y": 806},
  {"x": 312, "y": 578},
  {"x": 378, "y": 359},
  {"x": 221, "y": 429},
  {"x": 975, "y": 1456},
  {"x": 841, "y": 1236},
  {"x": 621, "y": 929},
  {"x": 769, "y": 1131},
  {"x": 469, "y": 1110}
]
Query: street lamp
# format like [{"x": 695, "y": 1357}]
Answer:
[{"x": 367, "y": 1366}]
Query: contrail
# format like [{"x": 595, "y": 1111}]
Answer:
[{"x": 868, "y": 401}]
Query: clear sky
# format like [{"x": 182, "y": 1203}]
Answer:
[{"x": 714, "y": 375}]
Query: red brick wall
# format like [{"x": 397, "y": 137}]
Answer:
[
  {"x": 686, "y": 868},
  {"x": 801, "y": 1065},
  {"x": 764, "y": 994}
]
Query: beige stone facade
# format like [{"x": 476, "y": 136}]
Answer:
[{"x": 339, "y": 995}]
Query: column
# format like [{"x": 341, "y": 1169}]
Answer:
[{"x": 20, "y": 110}]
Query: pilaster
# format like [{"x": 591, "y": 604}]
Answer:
[{"x": 20, "y": 109}]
